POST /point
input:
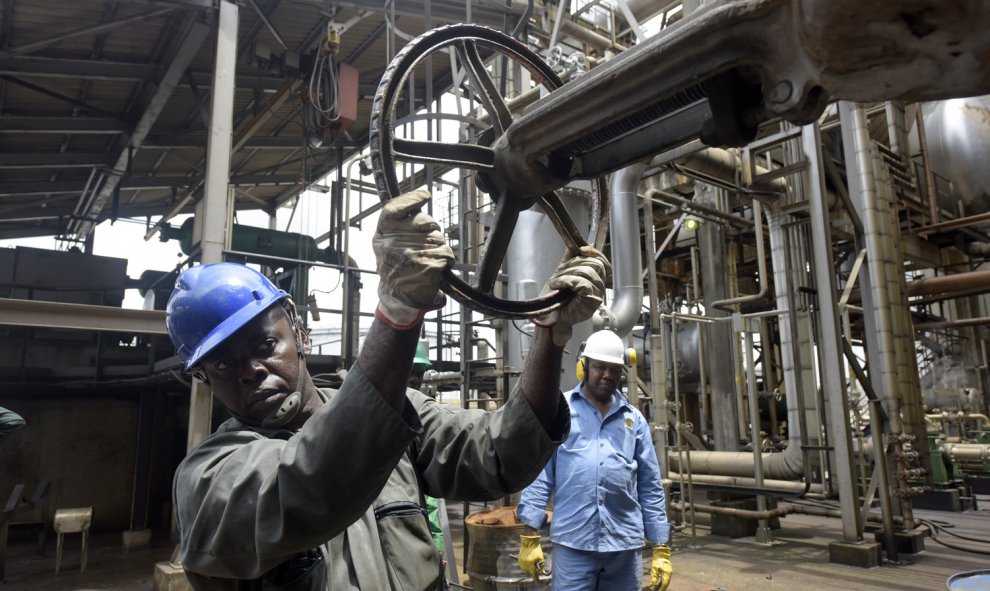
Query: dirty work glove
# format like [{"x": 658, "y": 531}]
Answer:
[
  {"x": 531, "y": 556},
  {"x": 411, "y": 255},
  {"x": 585, "y": 274},
  {"x": 661, "y": 569}
]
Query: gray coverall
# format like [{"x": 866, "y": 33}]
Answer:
[{"x": 339, "y": 506}]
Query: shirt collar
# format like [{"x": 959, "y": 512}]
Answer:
[{"x": 616, "y": 396}]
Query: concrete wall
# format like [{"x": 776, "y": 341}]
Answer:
[{"x": 87, "y": 446}]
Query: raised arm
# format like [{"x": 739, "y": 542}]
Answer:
[
  {"x": 585, "y": 274},
  {"x": 411, "y": 255}
]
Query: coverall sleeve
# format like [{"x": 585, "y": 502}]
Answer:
[
  {"x": 480, "y": 455},
  {"x": 535, "y": 497},
  {"x": 245, "y": 502},
  {"x": 656, "y": 528}
]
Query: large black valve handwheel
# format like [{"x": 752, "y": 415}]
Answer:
[{"x": 470, "y": 42}]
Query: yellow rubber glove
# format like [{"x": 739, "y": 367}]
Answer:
[
  {"x": 661, "y": 569},
  {"x": 531, "y": 556}
]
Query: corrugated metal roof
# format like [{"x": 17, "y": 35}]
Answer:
[{"x": 76, "y": 77}]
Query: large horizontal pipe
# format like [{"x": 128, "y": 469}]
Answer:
[
  {"x": 784, "y": 465},
  {"x": 971, "y": 283},
  {"x": 949, "y": 283},
  {"x": 974, "y": 452},
  {"x": 725, "y": 164},
  {"x": 960, "y": 416},
  {"x": 778, "y": 511},
  {"x": 781, "y": 486},
  {"x": 963, "y": 322},
  {"x": 589, "y": 37}
]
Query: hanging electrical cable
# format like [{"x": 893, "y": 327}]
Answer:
[{"x": 322, "y": 100}]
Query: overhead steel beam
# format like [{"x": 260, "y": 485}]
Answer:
[
  {"x": 188, "y": 49},
  {"x": 50, "y": 67},
  {"x": 178, "y": 3},
  {"x": 167, "y": 142},
  {"x": 242, "y": 180},
  {"x": 24, "y": 188},
  {"x": 55, "y": 160},
  {"x": 245, "y": 133},
  {"x": 80, "y": 317},
  {"x": 84, "y": 32},
  {"x": 62, "y": 125},
  {"x": 80, "y": 104},
  {"x": 484, "y": 13}
]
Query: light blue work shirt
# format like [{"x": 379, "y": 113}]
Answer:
[{"x": 605, "y": 480}]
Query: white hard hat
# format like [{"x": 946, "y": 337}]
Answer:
[{"x": 605, "y": 346}]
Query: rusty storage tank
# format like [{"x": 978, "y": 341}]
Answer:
[{"x": 493, "y": 550}]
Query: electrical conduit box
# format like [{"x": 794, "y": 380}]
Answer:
[{"x": 348, "y": 77}]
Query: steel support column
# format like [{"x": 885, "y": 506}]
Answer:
[
  {"x": 882, "y": 285},
  {"x": 215, "y": 202},
  {"x": 829, "y": 338}
]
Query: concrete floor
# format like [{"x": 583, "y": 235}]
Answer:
[{"x": 798, "y": 559}]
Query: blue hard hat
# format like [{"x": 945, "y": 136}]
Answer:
[{"x": 212, "y": 302}]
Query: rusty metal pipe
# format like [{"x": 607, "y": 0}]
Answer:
[
  {"x": 949, "y": 283},
  {"x": 982, "y": 321}
]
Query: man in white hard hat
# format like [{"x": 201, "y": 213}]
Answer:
[{"x": 605, "y": 481}]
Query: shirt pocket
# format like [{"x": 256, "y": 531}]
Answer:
[
  {"x": 579, "y": 438},
  {"x": 407, "y": 546}
]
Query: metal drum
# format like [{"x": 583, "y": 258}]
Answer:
[
  {"x": 974, "y": 580},
  {"x": 493, "y": 550}
]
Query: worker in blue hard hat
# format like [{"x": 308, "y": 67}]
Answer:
[
  {"x": 608, "y": 499},
  {"x": 317, "y": 489}
]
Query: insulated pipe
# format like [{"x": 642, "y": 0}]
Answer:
[
  {"x": 761, "y": 262},
  {"x": 785, "y": 465},
  {"x": 945, "y": 416},
  {"x": 972, "y": 452},
  {"x": 882, "y": 273},
  {"x": 626, "y": 261},
  {"x": 779, "y": 511},
  {"x": 781, "y": 486},
  {"x": 826, "y": 512},
  {"x": 724, "y": 164},
  {"x": 588, "y": 37},
  {"x": 788, "y": 464}
]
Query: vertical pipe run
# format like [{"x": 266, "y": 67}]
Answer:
[
  {"x": 763, "y": 534},
  {"x": 658, "y": 377},
  {"x": 878, "y": 311},
  {"x": 719, "y": 341},
  {"x": 880, "y": 457},
  {"x": 627, "y": 283}
]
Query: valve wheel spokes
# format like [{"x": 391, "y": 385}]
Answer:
[{"x": 469, "y": 43}]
